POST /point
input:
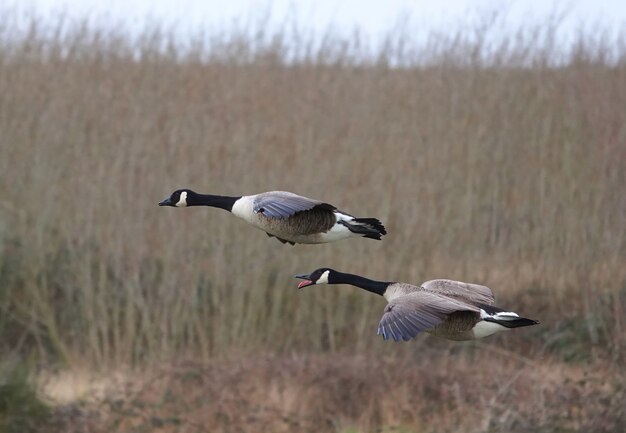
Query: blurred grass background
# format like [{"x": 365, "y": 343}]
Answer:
[{"x": 496, "y": 163}]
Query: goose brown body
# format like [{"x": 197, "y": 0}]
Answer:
[
  {"x": 445, "y": 308},
  {"x": 287, "y": 216}
]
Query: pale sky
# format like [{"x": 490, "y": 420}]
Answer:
[{"x": 371, "y": 17}]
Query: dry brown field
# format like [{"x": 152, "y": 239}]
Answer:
[{"x": 501, "y": 164}]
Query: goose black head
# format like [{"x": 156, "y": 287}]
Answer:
[
  {"x": 318, "y": 276},
  {"x": 179, "y": 198}
]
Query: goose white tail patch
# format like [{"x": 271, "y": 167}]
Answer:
[
  {"x": 182, "y": 201},
  {"x": 504, "y": 315},
  {"x": 338, "y": 231},
  {"x": 484, "y": 329},
  {"x": 343, "y": 217}
]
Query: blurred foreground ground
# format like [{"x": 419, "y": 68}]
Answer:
[{"x": 472, "y": 389}]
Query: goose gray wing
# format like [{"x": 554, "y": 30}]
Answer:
[
  {"x": 472, "y": 293},
  {"x": 282, "y": 204},
  {"x": 408, "y": 315}
]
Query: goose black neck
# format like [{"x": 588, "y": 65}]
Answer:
[
  {"x": 220, "y": 201},
  {"x": 378, "y": 287}
]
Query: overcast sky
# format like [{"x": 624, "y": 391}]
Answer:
[{"x": 372, "y": 17}]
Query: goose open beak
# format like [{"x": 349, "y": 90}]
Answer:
[
  {"x": 306, "y": 281},
  {"x": 166, "y": 202}
]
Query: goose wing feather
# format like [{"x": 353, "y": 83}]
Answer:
[
  {"x": 282, "y": 204},
  {"x": 472, "y": 293},
  {"x": 408, "y": 315}
]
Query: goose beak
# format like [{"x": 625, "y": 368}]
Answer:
[
  {"x": 166, "y": 202},
  {"x": 306, "y": 281}
]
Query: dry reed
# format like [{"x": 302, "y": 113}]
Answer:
[{"x": 502, "y": 165}]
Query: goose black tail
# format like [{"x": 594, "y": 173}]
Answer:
[
  {"x": 368, "y": 227},
  {"x": 513, "y": 322}
]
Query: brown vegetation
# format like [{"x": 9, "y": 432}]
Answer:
[
  {"x": 493, "y": 392},
  {"x": 495, "y": 165}
]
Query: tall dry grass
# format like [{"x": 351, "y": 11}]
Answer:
[{"x": 498, "y": 164}]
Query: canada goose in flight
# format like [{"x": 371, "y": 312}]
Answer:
[
  {"x": 444, "y": 308},
  {"x": 289, "y": 217}
]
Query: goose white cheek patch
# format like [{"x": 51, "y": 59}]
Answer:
[
  {"x": 182, "y": 201},
  {"x": 323, "y": 279}
]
